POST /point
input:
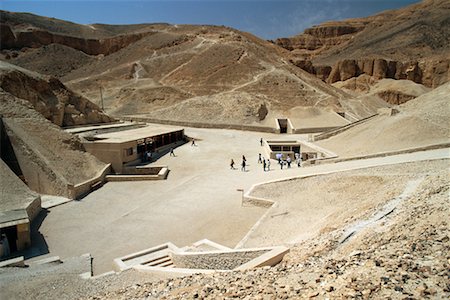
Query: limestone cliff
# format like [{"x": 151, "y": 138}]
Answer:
[
  {"x": 410, "y": 43},
  {"x": 50, "y": 97}
]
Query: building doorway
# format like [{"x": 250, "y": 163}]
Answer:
[
  {"x": 11, "y": 235},
  {"x": 283, "y": 123}
]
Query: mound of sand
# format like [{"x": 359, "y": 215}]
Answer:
[{"x": 420, "y": 122}]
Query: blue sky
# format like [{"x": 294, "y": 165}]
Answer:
[{"x": 268, "y": 19}]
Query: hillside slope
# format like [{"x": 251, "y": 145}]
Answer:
[
  {"x": 50, "y": 97},
  {"x": 188, "y": 66},
  {"x": 167, "y": 71},
  {"x": 420, "y": 122}
]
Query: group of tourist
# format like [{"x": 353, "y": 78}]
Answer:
[
  {"x": 266, "y": 162},
  {"x": 288, "y": 161}
]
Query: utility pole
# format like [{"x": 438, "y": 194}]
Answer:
[{"x": 101, "y": 97}]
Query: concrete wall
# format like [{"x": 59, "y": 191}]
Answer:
[
  {"x": 144, "y": 170},
  {"x": 34, "y": 208},
  {"x": 81, "y": 189},
  {"x": 201, "y": 125},
  {"x": 23, "y": 236},
  {"x": 337, "y": 130},
  {"x": 215, "y": 260},
  {"x": 107, "y": 153}
]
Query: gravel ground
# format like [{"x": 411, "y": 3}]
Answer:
[{"x": 405, "y": 255}]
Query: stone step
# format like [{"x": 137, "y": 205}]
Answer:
[
  {"x": 166, "y": 264},
  {"x": 157, "y": 261}
]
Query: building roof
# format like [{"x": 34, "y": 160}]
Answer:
[
  {"x": 135, "y": 134},
  {"x": 15, "y": 196}
]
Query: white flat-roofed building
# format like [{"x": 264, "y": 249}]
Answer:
[{"x": 127, "y": 147}]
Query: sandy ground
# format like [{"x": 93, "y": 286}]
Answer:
[
  {"x": 198, "y": 200},
  {"x": 420, "y": 122},
  {"x": 305, "y": 207}
]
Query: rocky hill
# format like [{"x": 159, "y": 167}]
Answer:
[
  {"x": 409, "y": 43},
  {"x": 167, "y": 71},
  {"x": 49, "y": 97},
  {"x": 50, "y": 159}
]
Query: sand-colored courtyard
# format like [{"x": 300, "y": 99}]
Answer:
[{"x": 198, "y": 200}]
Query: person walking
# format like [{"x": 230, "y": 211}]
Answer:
[
  {"x": 193, "y": 143},
  {"x": 232, "y": 164},
  {"x": 264, "y": 165},
  {"x": 268, "y": 164},
  {"x": 243, "y": 166},
  {"x": 171, "y": 152},
  {"x": 260, "y": 159},
  {"x": 149, "y": 156},
  {"x": 288, "y": 161},
  {"x": 261, "y": 141}
]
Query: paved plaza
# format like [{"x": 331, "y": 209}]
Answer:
[{"x": 198, "y": 200}]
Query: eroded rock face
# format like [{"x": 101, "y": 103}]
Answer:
[
  {"x": 395, "y": 97},
  {"x": 430, "y": 73},
  {"x": 50, "y": 97},
  {"x": 409, "y": 43},
  {"x": 320, "y": 38},
  {"x": 35, "y": 38}
]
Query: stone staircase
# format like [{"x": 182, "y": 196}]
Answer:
[
  {"x": 160, "y": 261},
  {"x": 159, "y": 256},
  {"x": 203, "y": 256}
]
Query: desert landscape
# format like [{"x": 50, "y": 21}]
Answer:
[{"x": 116, "y": 142}]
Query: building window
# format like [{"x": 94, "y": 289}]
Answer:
[
  {"x": 129, "y": 151},
  {"x": 141, "y": 148},
  {"x": 275, "y": 148}
]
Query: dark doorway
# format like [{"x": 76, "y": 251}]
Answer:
[
  {"x": 7, "y": 152},
  {"x": 11, "y": 235},
  {"x": 283, "y": 125}
]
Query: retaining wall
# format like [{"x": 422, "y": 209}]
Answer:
[
  {"x": 81, "y": 189},
  {"x": 337, "y": 130},
  {"x": 201, "y": 125},
  {"x": 215, "y": 260}
]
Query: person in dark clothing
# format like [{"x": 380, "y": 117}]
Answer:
[
  {"x": 243, "y": 166},
  {"x": 259, "y": 159},
  {"x": 264, "y": 165},
  {"x": 232, "y": 164},
  {"x": 171, "y": 152},
  {"x": 261, "y": 142}
]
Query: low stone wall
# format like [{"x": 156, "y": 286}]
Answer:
[
  {"x": 141, "y": 170},
  {"x": 201, "y": 125},
  {"x": 337, "y": 130},
  {"x": 78, "y": 190},
  {"x": 161, "y": 174},
  {"x": 381, "y": 154},
  {"x": 215, "y": 260},
  {"x": 313, "y": 129}
]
